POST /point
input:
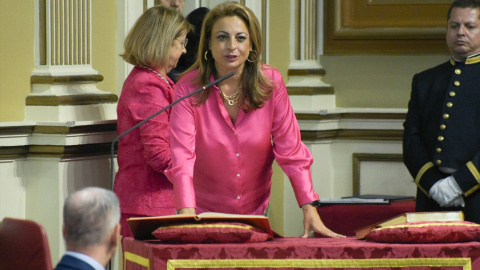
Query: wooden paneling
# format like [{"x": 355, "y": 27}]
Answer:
[{"x": 385, "y": 27}]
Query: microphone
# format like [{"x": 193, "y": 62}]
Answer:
[{"x": 157, "y": 113}]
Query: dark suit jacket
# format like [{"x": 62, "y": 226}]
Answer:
[
  {"x": 442, "y": 129},
  {"x": 71, "y": 263}
]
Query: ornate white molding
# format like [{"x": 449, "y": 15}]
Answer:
[
  {"x": 305, "y": 81},
  {"x": 63, "y": 38},
  {"x": 64, "y": 83}
]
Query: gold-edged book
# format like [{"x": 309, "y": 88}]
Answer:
[
  {"x": 142, "y": 227},
  {"x": 412, "y": 217}
]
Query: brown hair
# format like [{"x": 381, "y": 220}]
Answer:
[
  {"x": 149, "y": 41},
  {"x": 257, "y": 87}
]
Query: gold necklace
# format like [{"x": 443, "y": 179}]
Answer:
[
  {"x": 233, "y": 98},
  {"x": 154, "y": 71}
]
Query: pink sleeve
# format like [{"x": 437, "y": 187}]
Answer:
[
  {"x": 148, "y": 98},
  {"x": 182, "y": 143},
  {"x": 290, "y": 152}
]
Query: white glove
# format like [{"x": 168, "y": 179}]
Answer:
[
  {"x": 457, "y": 202},
  {"x": 446, "y": 192}
]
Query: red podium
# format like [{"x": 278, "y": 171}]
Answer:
[
  {"x": 310, "y": 253},
  {"x": 301, "y": 253}
]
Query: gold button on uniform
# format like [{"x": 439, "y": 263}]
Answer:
[
  {"x": 439, "y": 150},
  {"x": 446, "y": 116},
  {"x": 452, "y": 94},
  {"x": 440, "y": 138},
  {"x": 456, "y": 83},
  {"x": 438, "y": 161},
  {"x": 458, "y": 71},
  {"x": 449, "y": 104},
  {"x": 442, "y": 127}
]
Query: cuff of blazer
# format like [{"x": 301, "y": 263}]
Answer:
[
  {"x": 427, "y": 176},
  {"x": 468, "y": 178}
]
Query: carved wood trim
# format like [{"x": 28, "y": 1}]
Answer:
[
  {"x": 20, "y": 130},
  {"x": 69, "y": 151},
  {"x": 335, "y": 116},
  {"x": 86, "y": 99},
  {"x": 60, "y": 151},
  {"x": 13, "y": 152},
  {"x": 305, "y": 72},
  {"x": 107, "y": 127},
  {"x": 36, "y": 79},
  {"x": 352, "y": 134},
  {"x": 309, "y": 91}
]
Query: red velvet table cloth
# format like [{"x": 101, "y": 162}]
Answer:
[
  {"x": 346, "y": 218},
  {"x": 298, "y": 253}
]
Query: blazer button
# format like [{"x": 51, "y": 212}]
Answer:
[
  {"x": 439, "y": 150},
  {"x": 440, "y": 138},
  {"x": 438, "y": 161},
  {"x": 456, "y": 83},
  {"x": 446, "y": 116},
  {"x": 443, "y": 127},
  {"x": 452, "y": 93},
  {"x": 449, "y": 104},
  {"x": 458, "y": 71}
]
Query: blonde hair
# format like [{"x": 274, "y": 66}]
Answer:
[
  {"x": 149, "y": 41},
  {"x": 257, "y": 87}
]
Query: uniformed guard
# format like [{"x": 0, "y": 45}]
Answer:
[{"x": 441, "y": 141}]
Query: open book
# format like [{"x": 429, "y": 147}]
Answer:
[
  {"x": 412, "y": 217},
  {"x": 142, "y": 227}
]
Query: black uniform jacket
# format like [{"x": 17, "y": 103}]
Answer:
[{"x": 442, "y": 129}]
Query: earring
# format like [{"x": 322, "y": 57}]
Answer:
[
  {"x": 255, "y": 56},
  {"x": 205, "y": 55}
]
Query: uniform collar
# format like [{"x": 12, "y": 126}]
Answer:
[{"x": 473, "y": 59}]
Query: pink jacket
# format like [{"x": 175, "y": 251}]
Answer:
[{"x": 144, "y": 153}]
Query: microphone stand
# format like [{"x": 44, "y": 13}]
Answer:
[{"x": 155, "y": 114}]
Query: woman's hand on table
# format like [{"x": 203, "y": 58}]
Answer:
[{"x": 313, "y": 222}]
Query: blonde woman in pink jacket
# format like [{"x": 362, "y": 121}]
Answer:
[{"x": 153, "y": 46}]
